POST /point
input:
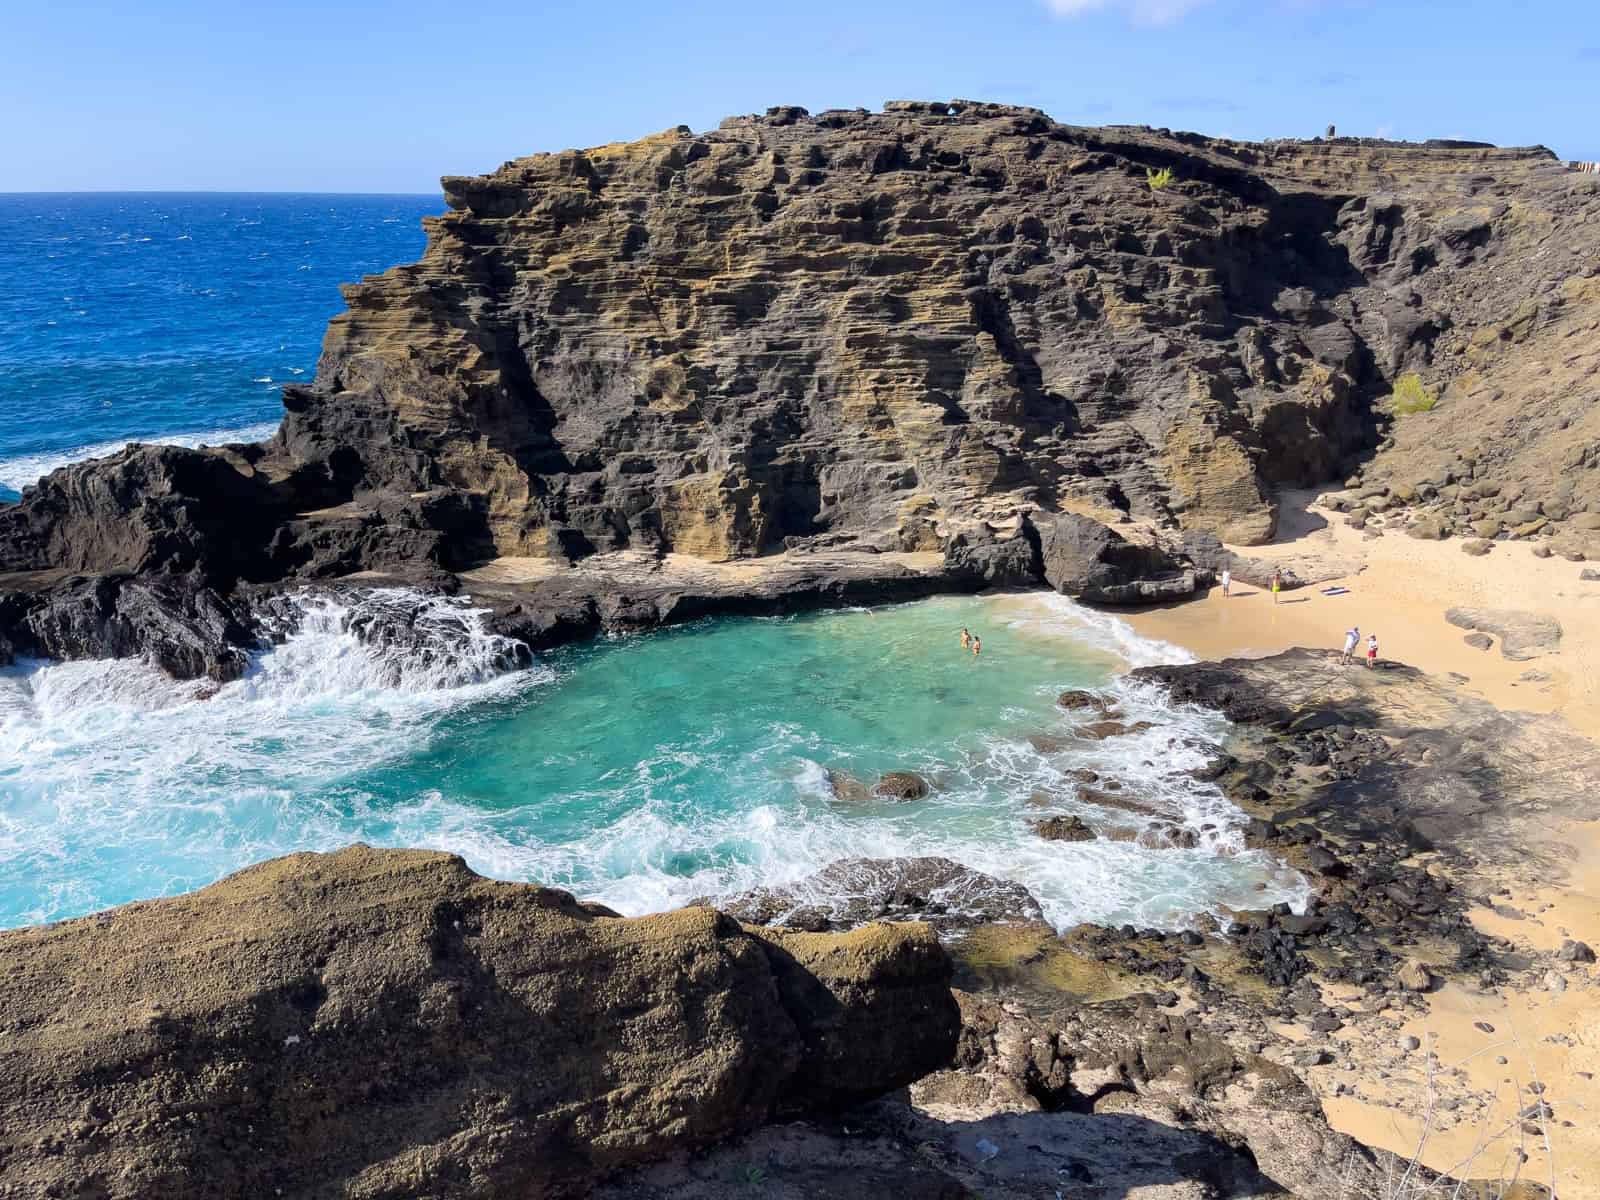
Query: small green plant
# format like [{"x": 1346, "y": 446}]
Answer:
[
  {"x": 1411, "y": 397},
  {"x": 755, "y": 1176},
  {"x": 1161, "y": 180}
]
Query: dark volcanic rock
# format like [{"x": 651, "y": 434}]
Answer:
[
  {"x": 853, "y": 891},
  {"x": 1421, "y": 761},
  {"x": 996, "y": 562},
  {"x": 1063, "y": 829},
  {"x": 901, "y": 785},
  {"x": 1091, "y": 562},
  {"x": 146, "y": 509},
  {"x": 1573, "y": 951},
  {"x": 189, "y": 632},
  {"x": 387, "y": 1023}
]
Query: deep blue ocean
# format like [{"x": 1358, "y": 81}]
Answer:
[
  {"x": 642, "y": 772},
  {"x": 145, "y": 315}
]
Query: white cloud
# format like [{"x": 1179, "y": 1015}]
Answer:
[{"x": 1143, "y": 12}]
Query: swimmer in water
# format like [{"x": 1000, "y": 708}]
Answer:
[
  {"x": 966, "y": 639},
  {"x": 977, "y": 646}
]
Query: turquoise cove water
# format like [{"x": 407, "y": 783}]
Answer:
[{"x": 642, "y": 772}]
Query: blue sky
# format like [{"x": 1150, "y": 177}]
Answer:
[{"x": 365, "y": 96}]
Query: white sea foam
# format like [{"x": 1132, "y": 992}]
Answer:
[
  {"x": 1050, "y": 613},
  {"x": 18, "y": 471},
  {"x": 109, "y": 766}
]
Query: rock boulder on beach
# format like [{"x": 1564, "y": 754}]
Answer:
[
  {"x": 1523, "y": 635},
  {"x": 1092, "y": 562},
  {"x": 386, "y": 1023}
]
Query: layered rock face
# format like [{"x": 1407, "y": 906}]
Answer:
[
  {"x": 883, "y": 322},
  {"x": 937, "y": 328},
  {"x": 388, "y": 1024}
]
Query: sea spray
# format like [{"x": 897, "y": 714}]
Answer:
[
  {"x": 21, "y": 470},
  {"x": 383, "y": 638},
  {"x": 641, "y": 772}
]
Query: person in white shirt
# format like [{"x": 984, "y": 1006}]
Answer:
[
  {"x": 1227, "y": 581},
  {"x": 1351, "y": 637}
]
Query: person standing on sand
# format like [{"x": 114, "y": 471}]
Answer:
[
  {"x": 977, "y": 646},
  {"x": 1227, "y": 581},
  {"x": 1277, "y": 583},
  {"x": 1372, "y": 651},
  {"x": 1351, "y": 637},
  {"x": 966, "y": 639}
]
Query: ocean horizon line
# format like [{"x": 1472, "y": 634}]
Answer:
[{"x": 205, "y": 192}]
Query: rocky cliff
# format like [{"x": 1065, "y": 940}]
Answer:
[
  {"x": 388, "y": 1024},
  {"x": 917, "y": 330}
]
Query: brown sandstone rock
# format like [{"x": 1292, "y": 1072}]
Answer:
[
  {"x": 1523, "y": 635},
  {"x": 1414, "y": 977},
  {"x": 387, "y": 1023},
  {"x": 1063, "y": 829},
  {"x": 901, "y": 785},
  {"x": 1100, "y": 730},
  {"x": 1101, "y": 798}
]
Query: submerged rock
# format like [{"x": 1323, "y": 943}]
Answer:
[
  {"x": 387, "y": 1023},
  {"x": 1080, "y": 699},
  {"x": 852, "y": 891},
  {"x": 1063, "y": 829},
  {"x": 846, "y": 786},
  {"x": 901, "y": 785},
  {"x": 1102, "y": 798},
  {"x": 1100, "y": 730}
]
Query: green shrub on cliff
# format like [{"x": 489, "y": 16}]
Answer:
[
  {"x": 1161, "y": 180},
  {"x": 1411, "y": 397}
]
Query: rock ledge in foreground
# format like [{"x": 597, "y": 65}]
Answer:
[{"x": 387, "y": 1023}]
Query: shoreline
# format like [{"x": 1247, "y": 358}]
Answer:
[
  {"x": 1546, "y": 1026},
  {"x": 1401, "y": 593}
]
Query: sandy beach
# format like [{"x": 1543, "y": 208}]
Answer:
[
  {"x": 1543, "y": 1031},
  {"x": 1401, "y": 594}
]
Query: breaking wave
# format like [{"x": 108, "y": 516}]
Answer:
[{"x": 21, "y": 470}]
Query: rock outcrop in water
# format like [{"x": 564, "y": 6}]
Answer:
[
  {"x": 930, "y": 330},
  {"x": 385, "y": 1023},
  {"x": 854, "y": 891}
]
